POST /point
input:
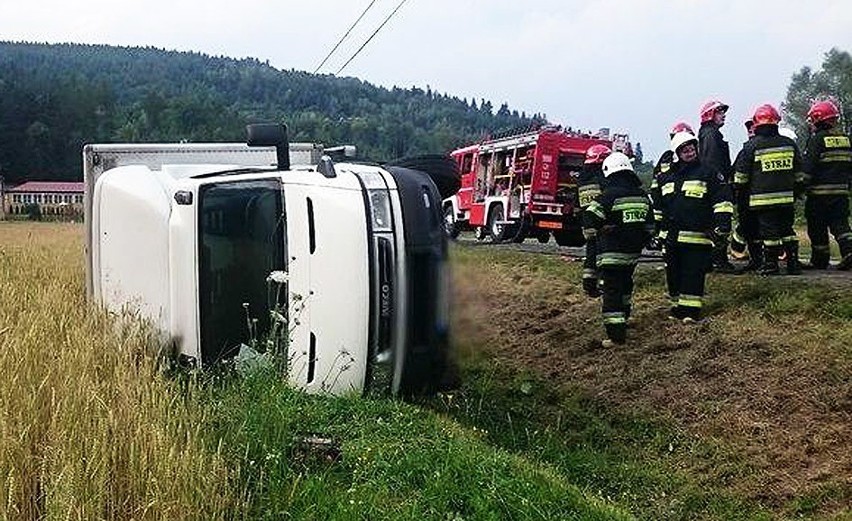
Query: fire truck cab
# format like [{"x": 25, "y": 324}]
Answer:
[{"x": 520, "y": 186}]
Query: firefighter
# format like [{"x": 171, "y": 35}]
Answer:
[
  {"x": 768, "y": 175},
  {"x": 697, "y": 209},
  {"x": 589, "y": 188},
  {"x": 624, "y": 222},
  {"x": 746, "y": 236},
  {"x": 828, "y": 171},
  {"x": 713, "y": 152},
  {"x": 664, "y": 164}
]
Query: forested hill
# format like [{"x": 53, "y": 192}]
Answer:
[{"x": 55, "y": 98}]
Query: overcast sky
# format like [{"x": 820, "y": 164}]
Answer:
[{"x": 631, "y": 65}]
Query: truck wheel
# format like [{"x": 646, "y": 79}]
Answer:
[
  {"x": 442, "y": 169},
  {"x": 570, "y": 237},
  {"x": 451, "y": 227},
  {"x": 543, "y": 237},
  {"x": 496, "y": 230}
]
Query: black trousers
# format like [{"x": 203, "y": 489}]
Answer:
[
  {"x": 686, "y": 270},
  {"x": 617, "y": 302},
  {"x": 590, "y": 270},
  {"x": 824, "y": 213},
  {"x": 775, "y": 225}
]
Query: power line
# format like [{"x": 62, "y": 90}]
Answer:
[
  {"x": 371, "y": 36},
  {"x": 327, "y": 56}
]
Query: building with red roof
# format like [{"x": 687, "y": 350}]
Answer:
[{"x": 51, "y": 198}]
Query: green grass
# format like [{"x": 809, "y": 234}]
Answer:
[
  {"x": 634, "y": 460},
  {"x": 395, "y": 461}
]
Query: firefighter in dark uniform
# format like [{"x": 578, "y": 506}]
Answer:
[
  {"x": 624, "y": 222},
  {"x": 664, "y": 164},
  {"x": 768, "y": 175},
  {"x": 590, "y": 185},
  {"x": 697, "y": 209},
  {"x": 828, "y": 172},
  {"x": 714, "y": 153},
  {"x": 746, "y": 236}
]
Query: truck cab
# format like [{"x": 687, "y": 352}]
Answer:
[{"x": 220, "y": 244}]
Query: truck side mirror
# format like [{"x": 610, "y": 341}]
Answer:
[{"x": 271, "y": 135}]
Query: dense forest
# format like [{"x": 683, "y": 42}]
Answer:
[{"x": 55, "y": 98}]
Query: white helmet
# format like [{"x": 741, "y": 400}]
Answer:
[
  {"x": 680, "y": 139},
  {"x": 788, "y": 132},
  {"x": 616, "y": 162}
]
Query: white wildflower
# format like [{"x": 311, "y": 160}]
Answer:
[{"x": 278, "y": 276}]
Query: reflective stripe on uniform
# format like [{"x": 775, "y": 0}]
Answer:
[
  {"x": 829, "y": 189},
  {"x": 844, "y": 236},
  {"x": 740, "y": 178},
  {"x": 589, "y": 273},
  {"x": 596, "y": 209},
  {"x": 835, "y": 156},
  {"x": 614, "y": 317},
  {"x": 723, "y": 207},
  {"x": 773, "y": 242},
  {"x": 693, "y": 238},
  {"x": 690, "y": 301},
  {"x": 664, "y": 234},
  {"x": 790, "y": 239},
  {"x": 668, "y": 188},
  {"x": 613, "y": 258},
  {"x": 658, "y": 215},
  {"x": 771, "y": 199}
]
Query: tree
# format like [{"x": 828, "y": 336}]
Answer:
[{"x": 833, "y": 81}]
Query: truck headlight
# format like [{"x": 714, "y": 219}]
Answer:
[{"x": 380, "y": 211}]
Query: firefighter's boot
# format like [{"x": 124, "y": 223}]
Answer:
[
  {"x": 792, "y": 251},
  {"x": 819, "y": 257},
  {"x": 770, "y": 261},
  {"x": 721, "y": 264},
  {"x": 755, "y": 256}
]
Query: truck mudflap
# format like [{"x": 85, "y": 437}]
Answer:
[{"x": 426, "y": 364}]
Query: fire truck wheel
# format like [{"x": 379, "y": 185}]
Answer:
[
  {"x": 451, "y": 228},
  {"x": 570, "y": 237},
  {"x": 496, "y": 230}
]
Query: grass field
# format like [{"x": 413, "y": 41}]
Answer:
[{"x": 747, "y": 416}]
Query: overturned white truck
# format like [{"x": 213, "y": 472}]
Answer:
[{"x": 190, "y": 234}]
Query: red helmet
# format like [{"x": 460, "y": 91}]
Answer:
[
  {"x": 766, "y": 115},
  {"x": 596, "y": 154},
  {"x": 709, "y": 110},
  {"x": 680, "y": 126},
  {"x": 823, "y": 111}
]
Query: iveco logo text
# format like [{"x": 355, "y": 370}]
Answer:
[{"x": 386, "y": 300}]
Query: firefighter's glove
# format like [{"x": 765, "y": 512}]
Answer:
[{"x": 590, "y": 287}]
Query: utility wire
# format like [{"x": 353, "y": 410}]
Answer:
[
  {"x": 371, "y": 36},
  {"x": 327, "y": 56}
]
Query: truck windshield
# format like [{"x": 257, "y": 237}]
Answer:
[{"x": 242, "y": 240}]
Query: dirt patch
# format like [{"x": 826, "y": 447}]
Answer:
[{"x": 776, "y": 388}]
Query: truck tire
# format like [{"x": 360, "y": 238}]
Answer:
[
  {"x": 570, "y": 237},
  {"x": 543, "y": 237},
  {"x": 442, "y": 169},
  {"x": 451, "y": 227},
  {"x": 496, "y": 230}
]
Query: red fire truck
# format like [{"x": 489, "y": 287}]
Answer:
[{"x": 520, "y": 186}]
